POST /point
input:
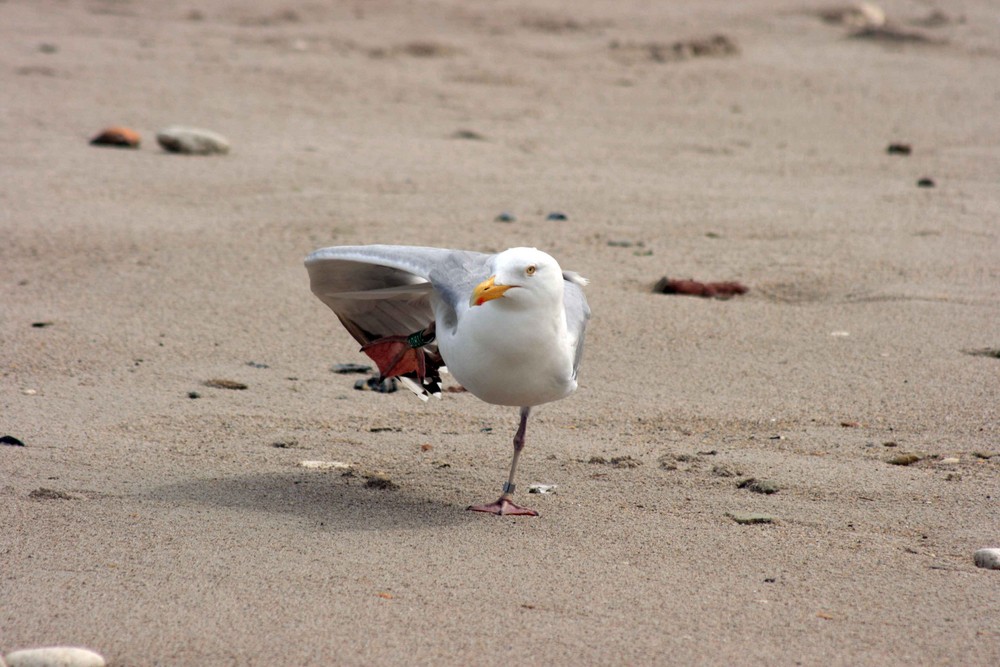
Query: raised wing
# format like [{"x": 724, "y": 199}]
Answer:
[{"x": 385, "y": 290}]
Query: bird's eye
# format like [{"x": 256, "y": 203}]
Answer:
[{"x": 531, "y": 270}]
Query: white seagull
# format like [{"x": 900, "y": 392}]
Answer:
[{"x": 509, "y": 327}]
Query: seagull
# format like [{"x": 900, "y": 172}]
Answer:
[{"x": 508, "y": 326}]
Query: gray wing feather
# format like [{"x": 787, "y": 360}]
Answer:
[
  {"x": 577, "y": 314},
  {"x": 389, "y": 290}
]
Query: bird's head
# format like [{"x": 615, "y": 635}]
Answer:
[{"x": 521, "y": 275}]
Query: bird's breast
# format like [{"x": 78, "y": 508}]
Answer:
[{"x": 510, "y": 358}]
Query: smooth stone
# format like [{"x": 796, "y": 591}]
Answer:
[
  {"x": 123, "y": 137},
  {"x": 987, "y": 558},
  {"x": 191, "y": 141},
  {"x": 55, "y": 656}
]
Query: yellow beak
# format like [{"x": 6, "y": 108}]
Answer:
[{"x": 487, "y": 291}]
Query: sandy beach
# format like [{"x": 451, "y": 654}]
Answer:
[{"x": 160, "y": 518}]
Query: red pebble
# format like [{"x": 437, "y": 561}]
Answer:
[{"x": 121, "y": 137}]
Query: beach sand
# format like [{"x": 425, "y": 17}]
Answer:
[{"x": 160, "y": 529}]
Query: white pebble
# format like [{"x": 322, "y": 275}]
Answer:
[
  {"x": 192, "y": 140},
  {"x": 542, "y": 488},
  {"x": 54, "y": 656},
  {"x": 988, "y": 558},
  {"x": 871, "y": 15},
  {"x": 325, "y": 465},
  {"x": 950, "y": 461}
]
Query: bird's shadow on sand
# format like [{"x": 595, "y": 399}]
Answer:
[{"x": 337, "y": 502}]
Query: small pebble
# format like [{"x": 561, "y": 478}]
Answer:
[
  {"x": 985, "y": 352},
  {"x": 471, "y": 135},
  {"x": 191, "y": 141},
  {"x": 904, "y": 459},
  {"x": 193, "y": 394},
  {"x": 926, "y": 183},
  {"x": 856, "y": 14},
  {"x": 344, "y": 369},
  {"x": 505, "y": 217},
  {"x": 256, "y": 364},
  {"x": 10, "y": 440},
  {"x": 41, "y": 325},
  {"x": 55, "y": 656},
  {"x": 949, "y": 461},
  {"x": 987, "y": 558},
  {"x": 118, "y": 137},
  {"x": 758, "y": 486},
  {"x": 219, "y": 383},
  {"x": 542, "y": 488},
  {"x": 386, "y": 386},
  {"x": 556, "y": 215},
  {"x": 747, "y": 519},
  {"x": 899, "y": 149}
]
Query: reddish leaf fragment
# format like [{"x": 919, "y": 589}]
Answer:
[{"x": 719, "y": 290}]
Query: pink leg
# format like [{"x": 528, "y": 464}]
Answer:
[{"x": 503, "y": 505}]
